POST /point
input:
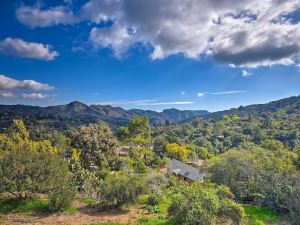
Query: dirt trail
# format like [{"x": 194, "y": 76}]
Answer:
[{"x": 85, "y": 216}]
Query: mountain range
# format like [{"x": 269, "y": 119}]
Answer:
[
  {"x": 77, "y": 113},
  {"x": 74, "y": 114}
]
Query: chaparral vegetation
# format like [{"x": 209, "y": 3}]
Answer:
[{"x": 248, "y": 161}]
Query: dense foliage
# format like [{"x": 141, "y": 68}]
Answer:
[
  {"x": 200, "y": 204},
  {"x": 29, "y": 167},
  {"x": 251, "y": 155}
]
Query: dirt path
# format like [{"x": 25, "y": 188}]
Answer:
[{"x": 85, "y": 216}]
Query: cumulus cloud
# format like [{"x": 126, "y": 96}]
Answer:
[
  {"x": 200, "y": 94},
  {"x": 114, "y": 37},
  {"x": 99, "y": 11},
  {"x": 6, "y": 95},
  {"x": 243, "y": 33},
  {"x": 35, "y": 96},
  {"x": 36, "y": 17},
  {"x": 7, "y": 83},
  {"x": 32, "y": 50}
]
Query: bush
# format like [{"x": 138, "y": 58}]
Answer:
[
  {"x": 28, "y": 167},
  {"x": 61, "y": 198},
  {"x": 200, "y": 204},
  {"x": 120, "y": 189},
  {"x": 256, "y": 175},
  {"x": 153, "y": 200},
  {"x": 153, "y": 209}
]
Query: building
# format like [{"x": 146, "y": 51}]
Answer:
[{"x": 185, "y": 171}]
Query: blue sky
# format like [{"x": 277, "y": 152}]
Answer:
[{"x": 148, "y": 55}]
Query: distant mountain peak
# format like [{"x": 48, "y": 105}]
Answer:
[
  {"x": 77, "y": 113},
  {"x": 76, "y": 103}
]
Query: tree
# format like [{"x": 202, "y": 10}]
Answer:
[
  {"x": 202, "y": 153},
  {"x": 254, "y": 174},
  {"x": 122, "y": 133},
  {"x": 97, "y": 144},
  {"x": 29, "y": 167},
  {"x": 137, "y": 132},
  {"x": 139, "y": 127},
  {"x": 180, "y": 152}
]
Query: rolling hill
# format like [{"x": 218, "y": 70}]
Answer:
[{"x": 76, "y": 113}]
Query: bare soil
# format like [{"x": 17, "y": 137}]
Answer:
[{"x": 84, "y": 216}]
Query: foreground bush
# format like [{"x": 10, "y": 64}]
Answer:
[
  {"x": 28, "y": 167},
  {"x": 200, "y": 204},
  {"x": 119, "y": 190},
  {"x": 263, "y": 175}
]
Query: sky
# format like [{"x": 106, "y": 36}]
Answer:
[{"x": 150, "y": 54}]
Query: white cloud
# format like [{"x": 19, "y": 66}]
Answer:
[
  {"x": 6, "y": 95},
  {"x": 200, "y": 94},
  {"x": 35, "y": 96},
  {"x": 100, "y": 10},
  {"x": 8, "y": 83},
  {"x": 246, "y": 73},
  {"x": 32, "y": 50},
  {"x": 36, "y": 17},
  {"x": 183, "y": 93},
  {"x": 227, "y": 92},
  {"x": 240, "y": 33},
  {"x": 115, "y": 37},
  {"x": 144, "y": 102}
]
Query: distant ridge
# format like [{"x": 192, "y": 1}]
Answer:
[
  {"x": 77, "y": 113},
  {"x": 290, "y": 105},
  {"x": 74, "y": 114}
]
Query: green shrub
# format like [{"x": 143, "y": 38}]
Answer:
[
  {"x": 120, "y": 189},
  {"x": 153, "y": 209},
  {"x": 202, "y": 204},
  {"x": 29, "y": 167},
  {"x": 153, "y": 200}
]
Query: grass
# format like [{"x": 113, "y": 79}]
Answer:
[
  {"x": 143, "y": 199},
  {"x": 155, "y": 221},
  {"x": 88, "y": 200},
  {"x": 161, "y": 218},
  {"x": 164, "y": 205},
  {"x": 8, "y": 205},
  {"x": 260, "y": 216},
  {"x": 71, "y": 210}
]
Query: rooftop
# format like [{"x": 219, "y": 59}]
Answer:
[{"x": 181, "y": 169}]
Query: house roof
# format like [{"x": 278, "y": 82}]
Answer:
[{"x": 185, "y": 170}]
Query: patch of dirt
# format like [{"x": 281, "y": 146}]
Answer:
[{"x": 85, "y": 216}]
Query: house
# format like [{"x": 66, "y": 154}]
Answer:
[{"x": 185, "y": 171}]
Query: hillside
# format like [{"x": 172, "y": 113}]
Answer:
[
  {"x": 289, "y": 105},
  {"x": 76, "y": 113}
]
